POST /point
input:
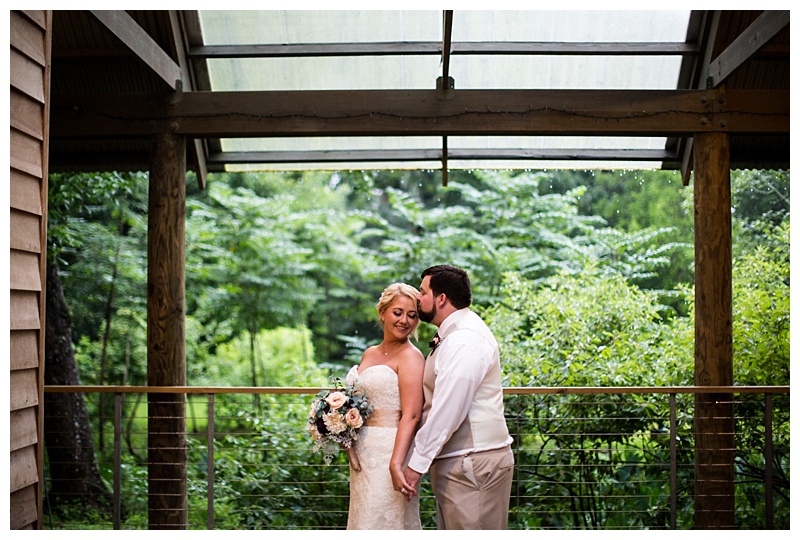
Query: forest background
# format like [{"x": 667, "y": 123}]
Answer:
[{"x": 585, "y": 276}]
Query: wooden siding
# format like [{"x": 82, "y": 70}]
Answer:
[{"x": 29, "y": 124}]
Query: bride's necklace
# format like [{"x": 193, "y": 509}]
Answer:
[{"x": 392, "y": 353}]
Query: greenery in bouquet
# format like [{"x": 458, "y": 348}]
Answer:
[{"x": 336, "y": 416}]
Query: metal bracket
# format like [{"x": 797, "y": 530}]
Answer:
[{"x": 445, "y": 91}]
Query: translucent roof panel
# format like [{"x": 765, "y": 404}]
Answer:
[
  {"x": 279, "y": 27},
  {"x": 568, "y": 71},
  {"x": 488, "y": 70}
]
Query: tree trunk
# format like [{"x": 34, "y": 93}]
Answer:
[{"x": 74, "y": 474}]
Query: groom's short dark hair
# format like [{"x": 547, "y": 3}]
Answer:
[{"x": 452, "y": 281}]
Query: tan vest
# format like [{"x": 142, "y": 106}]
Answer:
[{"x": 484, "y": 427}]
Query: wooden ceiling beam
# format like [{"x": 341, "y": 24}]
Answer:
[
  {"x": 447, "y": 40},
  {"x": 316, "y": 50},
  {"x": 140, "y": 44},
  {"x": 572, "y": 48},
  {"x": 746, "y": 45},
  {"x": 434, "y": 48},
  {"x": 180, "y": 45},
  {"x": 105, "y": 160},
  {"x": 445, "y": 85},
  {"x": 479, "y": 112},
  {"x": 423, "y": 113},
  {"x": 697, "y": 75}
]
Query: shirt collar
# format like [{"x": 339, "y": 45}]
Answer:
[{"x": 452, "y": 320}]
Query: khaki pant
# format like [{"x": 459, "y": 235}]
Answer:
[{"x": 472, "y": 491}]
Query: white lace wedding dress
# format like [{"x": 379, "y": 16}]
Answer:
[{"x": 374, "y": 504}]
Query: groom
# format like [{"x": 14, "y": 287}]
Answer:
[{"x": 463, "y": 440}]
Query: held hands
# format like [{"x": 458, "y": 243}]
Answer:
[
  {"x": 411, "y": 480},
  {"x": 400, "y": 483}
]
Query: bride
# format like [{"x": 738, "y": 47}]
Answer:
[{"x": 390, "y": 373}]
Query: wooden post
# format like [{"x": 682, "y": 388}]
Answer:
[
  {"x": 714, "y": 442},
  {"x": 166, "y": 345}
]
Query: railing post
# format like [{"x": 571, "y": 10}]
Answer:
[
  {"x": 517, "y": 463},
  {"x": 770, "y": 523},
  {"x": 117, "y": 512},
  {"x": 210, "y": 464},
  {"x": 673, "y": 463}
]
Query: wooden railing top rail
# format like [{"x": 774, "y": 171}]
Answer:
[{"x": 507, "y": 390}]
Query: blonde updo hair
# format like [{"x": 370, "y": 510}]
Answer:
[{"x": 393, "y": 291}]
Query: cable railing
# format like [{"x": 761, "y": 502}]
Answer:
[{"x": 585, "y": 458}]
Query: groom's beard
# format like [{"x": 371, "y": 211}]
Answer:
[{"x": 426, "y": 316}]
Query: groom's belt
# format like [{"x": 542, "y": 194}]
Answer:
[{"x": 383, "y": 418}]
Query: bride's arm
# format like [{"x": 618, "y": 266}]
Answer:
[{"x": 410, "y": 369}]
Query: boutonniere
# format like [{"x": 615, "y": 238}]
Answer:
[{"x": 434, "y": 342}]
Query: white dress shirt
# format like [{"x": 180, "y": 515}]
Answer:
[{"x": 467, "y": 367}]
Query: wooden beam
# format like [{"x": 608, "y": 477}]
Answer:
[
  {"x": 563, "y": 48},
  {"x": 434, "y": 48},
  {"x": 108, "y": 115},
  {"x": 746, "y": 44},
  {"x": 193, "y": 37},
  {"x": 140, "y": 44},
  {"x": 132, "y": 161},
  {"x": 444, "y": 161},
  {"x": 316, "y": 50},
  {"x": 477, "y": 112},
  {"x": 166, "y": 339},
  {"x": 187, "y": 85},
  {"x": 342, "y": 113},
  {"x": 696, "y": 75},
  {"x": 686, "y": 161},
  {"x": 447, "y": 38},
  {"x": 714, "y": 502}
]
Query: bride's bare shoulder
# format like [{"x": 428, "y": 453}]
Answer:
[
  {"x": 371, "y": 354},
  {"x": 412, "y": 354}
]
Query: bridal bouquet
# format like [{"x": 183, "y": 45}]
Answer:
[{"x": 335, "y": 418}]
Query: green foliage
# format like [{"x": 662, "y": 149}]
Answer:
[
  {"x": 639, "y": 201},
  {"x": 588, "y": 330},
  {"x": 246, "y": 261},
  {"x": 583, "y": 274},
  {"x": 264, "y": 480},
  {"x": 285, "y": 357},
  {"x": 261, "y": 253},
  {"x": 127, "y": 351},
  {"x": 113, "y": 198},
  {"x": 761, "y": 311},
  {"x": 760, "y": 201},
  {"x": 97, "y": 228},
  {"x": 762, "y": 356},
  {"x": 594, "y": 452},
  {"x": 494, "y": 222}
]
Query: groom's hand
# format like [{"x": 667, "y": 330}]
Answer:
[{"x": 412, "y": 478}]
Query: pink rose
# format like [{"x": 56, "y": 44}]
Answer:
[
  {"x": 353, "y": 418},
  {"x": 336, "y": 400}
]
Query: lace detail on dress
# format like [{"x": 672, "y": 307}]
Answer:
[{"x": 374, "y": 504}]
